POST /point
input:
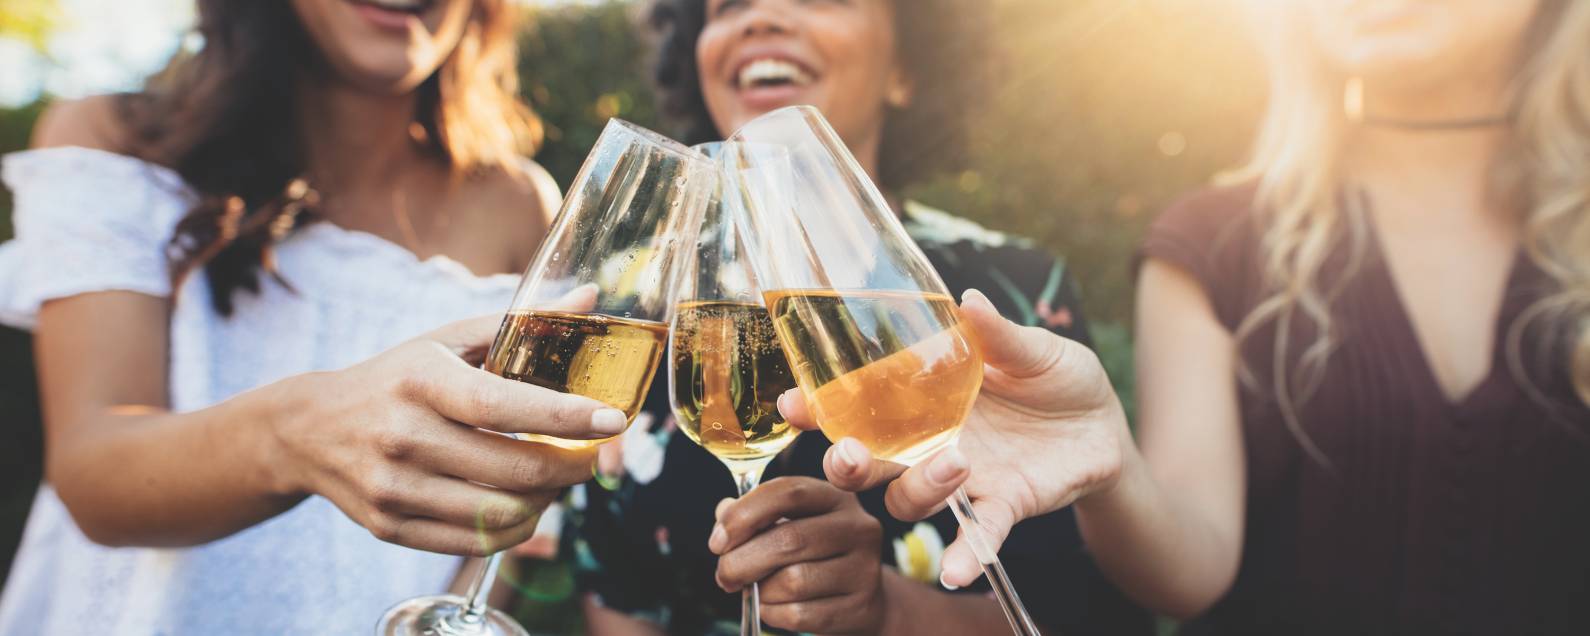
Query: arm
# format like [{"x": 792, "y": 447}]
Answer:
[
  {"x": 1171, "y": 533},
  {"x": 381, "y": 439}
]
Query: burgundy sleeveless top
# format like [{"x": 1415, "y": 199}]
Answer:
[{"x": 1428, "y": 515}]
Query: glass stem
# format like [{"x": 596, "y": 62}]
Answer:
[
  {"x": 1020, "y": 623},
  {"x": 750, "y": 598},
  {"x": 480, "y": 590}
]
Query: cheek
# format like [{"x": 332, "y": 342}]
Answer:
[{"x": 716, "y": 89}]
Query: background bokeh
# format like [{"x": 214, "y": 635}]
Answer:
[{"x": 1107, "y": 109}]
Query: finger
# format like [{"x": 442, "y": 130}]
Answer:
[
  {"x": 477, "y": 398},
  {"x": 1015, "y": 350},
  {"x": 782, "y": 498},
  {"x": 792, "y": 405},
  {"x": 470, "y": 338},
  {"x": 433, "y": 535},
  {"x": 959, "y": 566},
  {"x": 464, "y": 504},
  {"x": 502, "y": 462},
  {"x": 822, "y": 616},
  {"x": 792, "y": 542},
  {"x": 845, "y": 574},
  {"x": 850, "y": 466},
  {"x": 922, "y": 490},
  {"x": 579, "y": 299}
]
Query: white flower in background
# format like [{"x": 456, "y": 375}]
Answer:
[{"x": 918, "y": 553}]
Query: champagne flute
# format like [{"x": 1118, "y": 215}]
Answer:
[
  {"x": 875, "y": 340},
  {"x": 633, "y": 210},
  {"x": 727, "y": 369}
]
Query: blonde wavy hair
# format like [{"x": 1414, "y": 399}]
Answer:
[{"x": 1306, "y": 217}]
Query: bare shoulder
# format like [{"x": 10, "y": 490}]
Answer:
[
  {"x": 522, "y": 199},
  {"x": 91, "y": 122}
]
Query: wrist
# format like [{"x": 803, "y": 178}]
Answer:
[
  {"x": 894, "y": 592},
  {"x": 1129, "y": 483},
  {"x": 285, "y": 405}
]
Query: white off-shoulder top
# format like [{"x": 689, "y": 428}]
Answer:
[{"x": 90, "y": 221}]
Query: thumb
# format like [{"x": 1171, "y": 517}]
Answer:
[
  {"x": 1017, "y": 351},
  {"x": 579, "y": 299},
  {"x": 468, "y": 338}
]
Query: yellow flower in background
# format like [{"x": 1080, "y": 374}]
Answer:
[{"x": 918, "y": 553}]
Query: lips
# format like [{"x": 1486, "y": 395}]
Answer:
[
  {"x": 771, "y": 72},
  {"x": 400, "y": 6}
]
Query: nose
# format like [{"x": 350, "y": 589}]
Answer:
[{"x": 765, "y": 17}]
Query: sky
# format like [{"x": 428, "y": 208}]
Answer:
[{"x": 102, "y": 46}]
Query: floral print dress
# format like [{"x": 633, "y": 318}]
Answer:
[{"x": 637, "y": 535}]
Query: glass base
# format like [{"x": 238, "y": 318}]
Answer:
[{"x": 443, "y": 615}]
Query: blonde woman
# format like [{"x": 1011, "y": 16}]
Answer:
[{"x": 1363, "y": 361}]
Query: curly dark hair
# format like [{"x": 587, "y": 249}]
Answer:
[{"x": 943, "y": 47}]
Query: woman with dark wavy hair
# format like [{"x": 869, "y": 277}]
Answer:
[
  {"x": 901, "y": 83},
  {"x": 231, "y": 276}
]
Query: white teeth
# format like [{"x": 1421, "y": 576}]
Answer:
[
  {"x": 398, "y": 5},
  {"x": 769, "y": 70}
]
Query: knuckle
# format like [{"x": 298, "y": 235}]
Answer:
[
  {"x": 393, "y": 442},
  {"x": 803, "y": 617},
  {"x": 786, "y": 541},
  {"x": 382, "y": 491},
  {"x": 410, "y": 383},
  {"x": 497, "y": 513},
  {"x": 529, "y": 472},
  {"x": 483, "y": 403},
  {"x": 737, "y": 517},
  {"x": 384, "y": 527},
  {"x": 798, "y": 581}
]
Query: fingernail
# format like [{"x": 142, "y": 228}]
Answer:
[
  {"x": 715, "y": 542},
  {"x": 974, "y": 296},
  {"x": 850, "y": 454},
  {"x": 609, "y": 421},
  {"x": 717, "y": 513},
  {"x": 783, "y": 402},
  {"x": 947, "y": 584},
  {"x": 947, "y": 466}
]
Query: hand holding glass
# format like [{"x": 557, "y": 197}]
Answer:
[
  {"x": 631, "y": 211},
  {"x": 727, "y": 369},
  {"x": 874, "y": 338}
]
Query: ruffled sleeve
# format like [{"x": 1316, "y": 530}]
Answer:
[{"x": 86, "y": 221}]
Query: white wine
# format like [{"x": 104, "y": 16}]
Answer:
[
  {"x": 728, "y": 372},
  {"x": 897, "y": 371},
  {"x": 611, "y": 360}
]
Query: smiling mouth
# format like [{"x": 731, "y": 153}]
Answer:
[
  {"x": 412, "y": 7},
  {"x": 771, "y": 72}
]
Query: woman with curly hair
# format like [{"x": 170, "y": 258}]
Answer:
[
  {"x": 900, "y": 82},
  {"x": 230, "y": 276}
]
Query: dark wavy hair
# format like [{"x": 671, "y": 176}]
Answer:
[
  {"x": 943, "y": 47},
  {"x": 224, "y": 118}
]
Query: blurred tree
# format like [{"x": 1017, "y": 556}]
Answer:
[{"x": 580, "y": 65}]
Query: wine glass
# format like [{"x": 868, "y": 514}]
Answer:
[
  {"x": 726, "y": 368},
  {"x": 875, "y": 340},
  {"x": 633, "y": 210}
]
